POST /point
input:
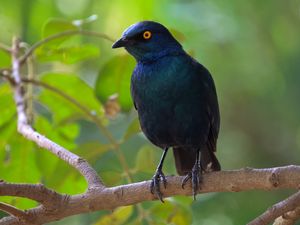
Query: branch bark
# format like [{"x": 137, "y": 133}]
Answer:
[
  {"x": 109, "y": 198},
  {"x": 13, "y": 211},
  {"x": 277, "y": 210}
]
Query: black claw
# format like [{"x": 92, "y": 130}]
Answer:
[
  {"x": 185, "y": 180},
  {"x": 196, "y": 177},
  {"x": 155, "y": 184}
]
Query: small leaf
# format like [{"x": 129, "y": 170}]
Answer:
[
  {"x": 4, "y": 59},
  {"x": 145, "y": 159},
  {"x": 171, "y": 213},
  {"x": 54, "y": 26},
  {"x": 133, "y": 129},
  {"x": 79, "y": 92},
  {"x": 114, "y": 78},
  {"x": 117, "y": 217},
  {"x": 6, "y": 99},
  {"x": 90, "y": 19},
  {"x": 178, "y": 35},
  {"x": 92, "y": 150},
  {"x": 112, "y": 106},
  {"x": 68, "y": 54}
]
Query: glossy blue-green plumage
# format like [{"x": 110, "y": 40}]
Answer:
[{"x": 174, "y": 95}]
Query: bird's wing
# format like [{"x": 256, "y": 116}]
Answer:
[
  {"x": 209, "y": 100},
  {"x": 132, "y": 83},
  {"x": 134, "y": 105},
  {"x": 212, "y": 112}
]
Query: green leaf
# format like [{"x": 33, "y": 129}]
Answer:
[
  {"x": 112, "y": 178},
  {"x": 19, "y": 164},
  {"x": 145, "y": 159},
  {"x": 56, "y": 134},
  {"x": 92, "y": 150},
  {"x": 118, "y": 217},
  {"x": 132, "y": 129},
  {"x": 54, "y": 26},
  {"x": 114, "y": 78},
  {"x": 4, "y": 59},
  {"x": 6, "y": 99},
  {"x": 79, "y": 92},
  {"x": 67, "y": 54},
  {"x": 178, "y": 35},
  {"x": 81, "y": 22},
  {"x": 57, "y": 173},
  {"x": 172, "y": 213}
]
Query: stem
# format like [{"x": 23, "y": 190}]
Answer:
[
  {"x": 5, "y": 48},
  {"x": 59, "y": 35}
]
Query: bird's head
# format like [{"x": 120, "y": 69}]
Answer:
[{"x": 147, "y": 40}]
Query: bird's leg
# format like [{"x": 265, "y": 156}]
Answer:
[
  {"x": 195, "y": 175},
  {"x": 159, "y": 176}
]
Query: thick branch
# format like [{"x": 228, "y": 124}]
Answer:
[
  {"x": 224, "y": 181},
  {"x": 26, "y": 130},
  {"x": 277, "y": 210},
  {"x": 36, "y": 192}
]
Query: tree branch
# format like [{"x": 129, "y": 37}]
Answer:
[
  {"x": 288, "y": 218},
  {"x": 109, "y": 198},
  {"x": 13, "y": 211},
  {"x": 26, "y": 130},
  {"x": 36, "y": 192},
  {"x": 277, "y": 210}
]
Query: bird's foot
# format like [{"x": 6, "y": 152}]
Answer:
[
  {"x": 155, "y": 184},
  {"x": 196, "y": 176}
]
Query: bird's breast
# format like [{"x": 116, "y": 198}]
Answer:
[{"x": 168, "y": 106}]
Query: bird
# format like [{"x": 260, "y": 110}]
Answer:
[{"x": 176, "y": 101}]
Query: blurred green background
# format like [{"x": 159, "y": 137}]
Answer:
[{"x": 252, "y": 49}]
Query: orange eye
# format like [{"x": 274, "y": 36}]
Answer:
[{"x": 147, "y": 35}]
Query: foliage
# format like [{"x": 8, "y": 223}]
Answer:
[{"x": 252, "y": 49}]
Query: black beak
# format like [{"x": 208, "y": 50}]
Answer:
[{"x": 120, "y": 43}]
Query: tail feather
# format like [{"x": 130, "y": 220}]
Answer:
[{"x": 185, "y": 159}]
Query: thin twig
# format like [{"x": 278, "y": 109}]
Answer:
[
  {"x": 59, "y": 35},
  {"x": 5, "y": 48},
  {"x": 26, "y": 130},
  {"x": 13, "y": 211},
  {"x": 5, "y": 74},
  {"x": 277, "y": 210}
]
